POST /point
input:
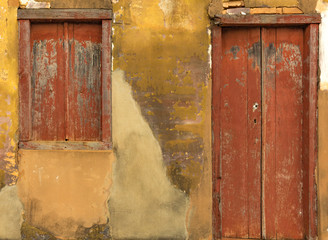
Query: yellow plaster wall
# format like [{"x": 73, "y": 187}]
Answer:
[
  {"x": 8, "y": 90},
  {"x": 163, "y": 48},
  {"x": 64, "y": 190}
]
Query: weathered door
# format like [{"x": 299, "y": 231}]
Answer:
[{"x": 261, "y": 118}]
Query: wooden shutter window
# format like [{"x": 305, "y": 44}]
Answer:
[{"x": 65, "y": 79}]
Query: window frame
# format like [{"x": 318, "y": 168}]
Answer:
[{"x": 26, "y": 17}]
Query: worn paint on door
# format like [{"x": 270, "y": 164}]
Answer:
[
  {"x": 240, "y": 133},
  {"x": 260, "y": 114}
]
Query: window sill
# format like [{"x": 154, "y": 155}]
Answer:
[{"x": 65, "y": 145}]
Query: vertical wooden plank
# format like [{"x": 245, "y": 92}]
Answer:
[
  {"x": 47, "y": 81},
  {"x": 60, "y": 101},
  {"x": 216, "y": 99},
  {"x": 85, "y": 83},
  {"x": 233, "y": 116},
  {"x": 289, "y": 114},
  {"x": 268, "y": 133},
  {"x": 254, "y": 129},
  {"x": 106, "y": 81},
  {"x": 66, "y": 93},
  {"x": 310, "y": 79},
  {"x": 25, "y": 126},
  {"x": 240, "y": 162},
  {"x": 69, "y": 85}
]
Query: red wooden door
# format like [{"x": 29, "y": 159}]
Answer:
[{"x": 261, "y": 125}]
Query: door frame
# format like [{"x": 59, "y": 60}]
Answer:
[{"x": 310, "y": 23}]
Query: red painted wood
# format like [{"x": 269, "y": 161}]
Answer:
[
  {"x": 25, "y": 128},
  {"x": 66, "y": 70},
  {"x": 289, "y": 114},
  {"x": 216, "y": 100},
  {"x": 289, "y": 130},
  {"x": 85, "y": 82},
  {"x": 240, "y": 150},
  {"x": 266, "y": 20},
  {"x": 48, "y": 116},
  {"x": 106, "y": 81},
  {"x": 268, "y": 133},
  {"x": 310, "y": 77},
  {"x": 65, "y": 99},
  {"x": 254, "y": 122}
]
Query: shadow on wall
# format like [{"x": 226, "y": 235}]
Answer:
[{"x": 143, "y": 202}]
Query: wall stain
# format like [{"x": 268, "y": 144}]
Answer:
[
  {"x": 96, "y": 232},
  {"x": 234, "y": 50},
  {"x": 254, "y": 52},
  {"x": 30, "y": 232}
]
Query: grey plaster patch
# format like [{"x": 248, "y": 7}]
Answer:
[
  {"x": 143, "y": 203},
  {"x": 11, "y": 210}
]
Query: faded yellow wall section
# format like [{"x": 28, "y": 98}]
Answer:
[
  {"x": 8, "y": 90},
  {"x": 163, "y": 47}
]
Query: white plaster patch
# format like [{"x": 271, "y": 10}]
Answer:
[
  {"x": 209, "y": 49},
  {"x": 166, "y": 6},
  {"x": 11, "y": 210}
]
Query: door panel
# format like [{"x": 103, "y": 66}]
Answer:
[
  {"x": 240, "y": 133},
  {"x": 282, "y": 162},
  {"x": 268, "y": 133},
  {"x": 259, "y": 126}
]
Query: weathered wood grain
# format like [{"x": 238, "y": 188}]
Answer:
[
  {"x": 240, "y": 130},
  {"x": 64, "y": 14},
  {"x": 25, "y": 127},
  {"x": 216, "y": 99},
  {"x": 266, "y": 20},
  {"x": 64, "y": 145},
  {"x": 106, "y": 81}
]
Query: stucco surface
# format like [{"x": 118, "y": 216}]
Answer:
[
  {"x": 323, "y": 164},
  {"x": 167, "y": 65},
  {"x": 64, "y": 190},
  {"x": 143, "y": 204},
  {"x": 8, "y": 91},
  {"x": 11, "y": 217}
]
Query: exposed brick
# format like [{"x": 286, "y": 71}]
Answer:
[
  {"x": 279, "y": 10},
  {"x": 233, "y": 4},
  {"x": 238, "y": 11},
  {"x": 263, "y": 10},
  {"x": 272, "y": 3},
  {"x": 292, "y": 11}
]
